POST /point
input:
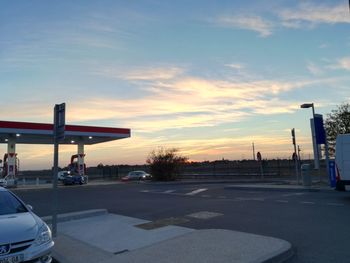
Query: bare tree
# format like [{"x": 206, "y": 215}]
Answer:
[{"x": 165, "y": 164}]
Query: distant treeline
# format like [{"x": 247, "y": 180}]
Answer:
[{"x": 222, "y": 168}]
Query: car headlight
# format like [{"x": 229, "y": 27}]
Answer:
[{"x": 44, "y": 235}]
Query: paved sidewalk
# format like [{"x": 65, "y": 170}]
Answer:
[{"x": 111, "y": 238}]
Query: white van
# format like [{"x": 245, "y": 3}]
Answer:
[{"x": 342, "y": 161}]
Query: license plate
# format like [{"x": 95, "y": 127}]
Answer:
[{"x": 13, "y": 259}]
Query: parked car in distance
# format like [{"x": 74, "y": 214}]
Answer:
[
  {"x": 74, "y": 179},
  {"x": 24, "y": 237},
  {"x": 136, "y": 175},
  {"x": 3, "y": 182},
  {"x": 62, "y": 174}
]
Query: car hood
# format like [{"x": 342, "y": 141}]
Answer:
[{"x": 18, "y": 227}]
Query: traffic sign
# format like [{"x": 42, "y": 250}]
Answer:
[
  {"x": 59, "y": 121},
  {"x": 332, "y": 173}
]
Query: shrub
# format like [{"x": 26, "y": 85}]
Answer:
[{"x": 165, "y": 164}]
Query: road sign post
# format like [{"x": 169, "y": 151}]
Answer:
[
  {"x": 295, "y": 155},
  {"x": 58, "y": 132},
  {"x": 259, "y": 158}
]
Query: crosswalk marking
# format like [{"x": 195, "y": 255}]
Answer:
[{"x": 197, "y": 191}]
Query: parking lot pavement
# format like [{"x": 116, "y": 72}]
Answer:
[{"x": 117, "y": 238}]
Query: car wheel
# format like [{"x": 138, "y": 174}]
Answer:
[{"x": 340, "y": 186}]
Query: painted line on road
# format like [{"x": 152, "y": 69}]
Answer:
[
  {"x": 282, "y": 201},
  {"x": 250, "y": 199},
  {"x": 307, "y": 203},
  {"x": 293, "y": 194},
  {"x": 168, "y": 191},
  {"x": 204, "y": 215},
  {"x": 335, "y": 204},
  {"x": 145, "y": 191},
  {"x": 197, "y": 191}
]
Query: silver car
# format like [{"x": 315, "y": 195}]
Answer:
[{"x": 23, "y": 235}]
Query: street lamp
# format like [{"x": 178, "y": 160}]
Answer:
[{"x": 316, "y": 153}]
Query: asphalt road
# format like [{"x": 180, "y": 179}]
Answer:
[{"x": 316, "y": 223}]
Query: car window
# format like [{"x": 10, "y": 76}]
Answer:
[{"x": 9, "y": 204}]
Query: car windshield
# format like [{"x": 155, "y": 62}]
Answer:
[{"x": 9, "y": 204}]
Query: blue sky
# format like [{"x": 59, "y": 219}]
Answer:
[{"x": 208, "y": 77}]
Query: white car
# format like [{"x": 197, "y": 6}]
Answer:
[
  {"x": 137, "y": 175},
  {"x": 24, "y": 237}
]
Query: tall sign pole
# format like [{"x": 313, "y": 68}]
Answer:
[
  {"x": 295, "y": 155},
  {"x": 58, "y": 132}
]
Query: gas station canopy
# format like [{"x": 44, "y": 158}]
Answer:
[{"x": 42, "y": 133}]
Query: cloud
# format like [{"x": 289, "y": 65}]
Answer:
[
  {"x": 248, "y": 22},
  {"x": 188, "y": 102},
  {"x": 342, "y": 63},
  {"x": 148, "y": 74},
  {"x": 308, "y": 14},
  {"x": 314, "y": 69},
  {"x": 236, "y": 66}
]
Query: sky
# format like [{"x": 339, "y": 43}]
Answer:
[{"x": 206, "y": 77}]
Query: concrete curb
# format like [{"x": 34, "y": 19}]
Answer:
[
  {"x": 49, "y": 186},
  {"x": 282, "y": 256},
  {"x": 75, "y": 215},
  {"x": 274, "y": 188},
  {"x": 217, "y": 181}
]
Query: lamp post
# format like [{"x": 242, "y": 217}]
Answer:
[{"x": 316, "y": 153}]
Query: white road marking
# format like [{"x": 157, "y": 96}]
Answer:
[
  {"x": 197, "y": 191},
  {"x": 282, "y": 201},
  {"x": 168, "y": 191},
  {"x": 250, "y": 199},
  {"x": 308, "y": 203},
  {"x": 144, "y": 191},
  {"x": 204, "y": 215},
  {"x": 335, "y": 204},
  {"x": 293, "y": 194}
]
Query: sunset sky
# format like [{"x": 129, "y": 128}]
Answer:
[{"x": 207, "y": 77}]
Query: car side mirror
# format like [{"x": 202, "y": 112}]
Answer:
[{"x": 30, "y": 207}]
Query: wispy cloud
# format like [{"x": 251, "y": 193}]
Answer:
[
  {"x": 188, "y": 101},
  {"x": 236, "y": 66},
  {"x": 314, "y": 69},
  {"x": 341, "y": 63},
  {"x": 248, "y": 22},
  {"x": 312, "y": 14},
  {"x": 141, "y": 74}
]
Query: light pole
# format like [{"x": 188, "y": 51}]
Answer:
[{"x": 316, "y": 153}]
